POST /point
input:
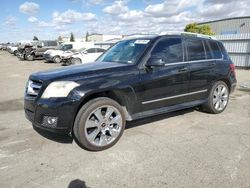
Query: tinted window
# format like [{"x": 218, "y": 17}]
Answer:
[
  {"x": 67, "y": 47},
  {"x": 100, "y": 50},
  {"x": 209, "y": 53},
  {"x": 91, "y": 50},
  {"x": 215, "y": 50},
  {"x": 52, "y": 43},
  {"x": 195, "y": 50},
  {"x": 169, "y": 50}
]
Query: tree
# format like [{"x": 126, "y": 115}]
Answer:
[
  {"x": 35, "y": 38},
  {"x": 59, "y": 39},
  {"x": 202, "y": 29},
  {"x": 72, "y": 38},
  {"x": 206, "y": 30}
]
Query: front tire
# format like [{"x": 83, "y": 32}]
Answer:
[
  {"x": 76, "y": 61},
  {"x": 218, "y": 98},
  {"x": 30, "y": 57},
  {"x": 57, "y": 59},
  {"x": 99, "y": 124}
]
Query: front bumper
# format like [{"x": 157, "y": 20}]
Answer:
[{"x": 64, "y": 110}]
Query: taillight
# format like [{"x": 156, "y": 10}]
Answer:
[{"x": 232, "y": 69}]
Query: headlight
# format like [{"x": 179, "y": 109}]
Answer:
[{"x": 59, "y": 89}]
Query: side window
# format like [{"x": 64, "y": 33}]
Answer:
[
  {"x": 91, "y": 50},
  {"x": 98, "y": 50},
  {"x": 215, "y": 49},
  {"x": 169, "y": 50},
  {"x": 52, "y": 43},
  {"x": 195, "y": 49},
  {"x": 208, "y": 50},
  {"x": 68, "y": 46}
]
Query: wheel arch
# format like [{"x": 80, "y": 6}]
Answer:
[{"x": 115, "y": 95}]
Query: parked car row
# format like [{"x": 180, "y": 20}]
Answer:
[{"x": 68, "y": 53}]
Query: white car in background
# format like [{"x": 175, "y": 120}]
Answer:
[
  {"x": 65, "y": 49},
  {"x": 85, "y": 56}
]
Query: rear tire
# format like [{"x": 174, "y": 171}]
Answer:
[
  {"x": 99, "y": 124},
  {"x": 218, "y": 98}
]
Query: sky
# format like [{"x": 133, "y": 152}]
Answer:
[{"x": 49, "y": 19}]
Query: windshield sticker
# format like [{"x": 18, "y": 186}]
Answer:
[{"x": 141, "y": 41}]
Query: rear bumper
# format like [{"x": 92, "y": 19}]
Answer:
[{"x": 233, "y": 87}]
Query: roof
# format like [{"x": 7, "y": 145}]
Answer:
[{"x": 224, "y": 19}]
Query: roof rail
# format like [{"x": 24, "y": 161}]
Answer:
[{"x": 188, "y": 34}]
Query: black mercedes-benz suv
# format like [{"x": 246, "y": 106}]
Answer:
[{"x": 135, "y": 78}]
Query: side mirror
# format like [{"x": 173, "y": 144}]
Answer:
[{"x": 155, "y": 62}]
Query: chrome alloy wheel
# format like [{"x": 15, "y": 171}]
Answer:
[
  {"x": 220, "y": 97},
  {"x": 103, "y": 125}
]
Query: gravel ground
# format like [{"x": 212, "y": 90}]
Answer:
[{"x": 188, "y": 148}]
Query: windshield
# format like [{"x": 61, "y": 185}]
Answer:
[
  {"x": 128, "y": 51},
  {"x": 64, "y": 47}
]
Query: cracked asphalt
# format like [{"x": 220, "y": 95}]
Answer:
[{"x": 188, "y": 148}]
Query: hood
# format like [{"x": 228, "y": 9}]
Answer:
[
  {"x": 76, "y": 71},
  {"x": 53, "y": 52}
]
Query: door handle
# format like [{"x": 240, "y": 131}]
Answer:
[
  {"x": 212, "y": 64},
  {"x": 183, "y": 69}
]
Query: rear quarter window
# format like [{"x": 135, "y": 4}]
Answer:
[
  {"x": 223, "y": 51},
  {"x": 215, "y": 49},
  {"x": 195, "y": 49}
]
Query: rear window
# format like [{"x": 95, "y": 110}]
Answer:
[
  {"x": 195, "y": 50},
  {"x": 215, "y": 49}
]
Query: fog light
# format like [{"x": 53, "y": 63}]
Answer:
[{"x": 49, "y": 121}]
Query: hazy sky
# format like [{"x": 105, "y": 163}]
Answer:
[{"x": 47, "y": 19}]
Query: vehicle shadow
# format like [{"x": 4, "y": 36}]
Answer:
[
  {"x": 64, "y": 139},
  {"x": 77, "y": 184}
]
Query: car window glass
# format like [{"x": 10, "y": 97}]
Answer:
[
  {"x": 91, "y": 50},
  {"x": 126, "y": 51},
  {"x": 52, "y": 43},
  {"x": 100, "y": 50},
  {"x": 169, "y": 50},
  {"x": 215, "y": 49},
  {"x": 67, "y": 47},
  {"x": 224, "y": 52},
  {"x": 209, "y": 53},
  {"x": 195, "y": 50}
]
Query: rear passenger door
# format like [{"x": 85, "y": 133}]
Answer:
[{"x": 202, "y": 67}]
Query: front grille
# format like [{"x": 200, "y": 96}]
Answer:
[{"x": 33, "y": 88}]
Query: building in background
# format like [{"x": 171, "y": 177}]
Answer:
[
  {"x": 95, "y": 37},
  {"x": 235, "y": 35}
]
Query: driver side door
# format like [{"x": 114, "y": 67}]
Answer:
[{"x": 165, "y": 85}]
